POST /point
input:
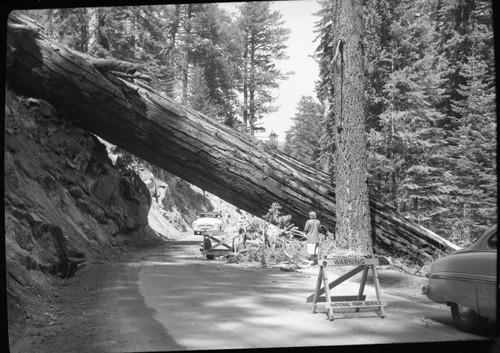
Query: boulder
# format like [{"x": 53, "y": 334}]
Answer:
[{"x": 107, "y": 184}]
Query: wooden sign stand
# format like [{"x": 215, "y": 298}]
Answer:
[
  {"x": 220, "y": 246},
  {"x": 336, "y": 303}
]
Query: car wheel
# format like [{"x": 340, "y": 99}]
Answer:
[
  {"x": 208, "y": 246},
  {"x": 467, "y": 319}
]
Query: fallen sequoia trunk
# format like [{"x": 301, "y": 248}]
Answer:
[{"x": 184, "y": 142}]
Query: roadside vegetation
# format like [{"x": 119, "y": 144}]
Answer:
[{"x": 274, "y": 241}]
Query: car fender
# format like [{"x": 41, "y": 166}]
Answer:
[
  {"x": 445, "y": 288},
  {"x": 467, "y": 276},
  {"x": 486, "y": 297}
]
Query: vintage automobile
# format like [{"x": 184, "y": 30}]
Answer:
[
  {"x": 208, "y": 222},
  {"x": 466, "y": 281}
]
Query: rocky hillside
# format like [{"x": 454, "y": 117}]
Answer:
[{"x": 71, "y": 199}]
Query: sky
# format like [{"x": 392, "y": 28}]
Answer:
[{"x": 298, "y": 16}]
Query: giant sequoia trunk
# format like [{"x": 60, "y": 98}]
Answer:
[{"x": 184, "y": 142}]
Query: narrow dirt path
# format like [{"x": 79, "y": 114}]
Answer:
[{"x": 170, "y": 298}]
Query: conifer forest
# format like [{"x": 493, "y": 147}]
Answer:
[{"x": 429, "y": 76}]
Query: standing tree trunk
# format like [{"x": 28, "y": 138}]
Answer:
[
  {"x": 101, "y": 36},
  {"x": 83, "y": 40},
  {"x": 185, "y": 63},
  {"x": 252, "y": 84},
  {"x": 353, "y": 215},
  {"x": 245, "y": 88}
]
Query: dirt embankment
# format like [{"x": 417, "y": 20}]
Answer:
[{"x": 68, "y": 204}]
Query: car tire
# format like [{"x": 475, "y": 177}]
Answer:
[
  {"x": 208, "y": 245},
  {"x": 466, "y": 319}
]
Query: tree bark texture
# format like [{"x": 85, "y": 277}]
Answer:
[
  {"x": 187, "y": 143},
  {"x": 353, "y": 214}
]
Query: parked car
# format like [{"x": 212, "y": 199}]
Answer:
[
  {"x": 208, "y": 221},
  {"x": 466, "y": 281}
]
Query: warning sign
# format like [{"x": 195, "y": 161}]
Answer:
[
  {"x": 349, "y": 261},
  {"x": 356, "y": 302}
]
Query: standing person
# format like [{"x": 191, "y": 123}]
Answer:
[{"x": 312, "y": 232}]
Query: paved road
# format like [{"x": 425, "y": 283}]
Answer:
[{"x": 173, "y": 299}]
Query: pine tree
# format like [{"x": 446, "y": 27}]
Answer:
[
  {"x": 473, "y": 153},
  {"x": 452, "y": 20},
  {"x": 199, "y": 95},
  {"x": 407, "y": 151},
  {"x": 324, "y": 88},
  {"x": 264, "y": 42},
  {"x": 217, "y": 52},
  {"x": 69, "y": 26},
  {"x": 378, "y": 44},
  {"x": 415, "y": 68},
  {"x": 169, "y": 41},
  {"x": 302, "y": 140},
  {"x": 465, "y": 48}
]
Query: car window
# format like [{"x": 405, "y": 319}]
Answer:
[
  {"x": 208, "y": 215},
  {"x": 492, "y": 241}
]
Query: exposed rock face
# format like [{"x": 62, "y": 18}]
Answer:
[
  {"x": 174, "y": 193},
  {"x": 64, "y": 198},
  {"x": 172, "y": 197},
  {"x": 68, "y": 203},
  {"x": 65, "y": 202}
]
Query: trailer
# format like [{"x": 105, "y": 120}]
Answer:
[{"x": 220, "y": 243}]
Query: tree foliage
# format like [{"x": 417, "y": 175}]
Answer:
[
  {"x": 264, "y": 42},
  {"x": 429, "y": 89},
  {"x": 194, "y": 51},
  {"x": 302, "y": 140},
  {"x": 430, "y": 114}
]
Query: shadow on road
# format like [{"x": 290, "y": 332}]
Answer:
[
  {"x": 177, "y": 243},
  {"x": 213, "y": 305}
]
